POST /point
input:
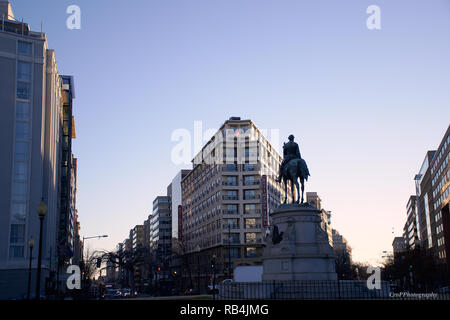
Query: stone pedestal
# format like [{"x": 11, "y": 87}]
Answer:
[{"x": 304, "y": 252}]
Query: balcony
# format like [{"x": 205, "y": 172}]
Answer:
[
  {"x": 230, "y": 212},
  {"x": 252, "y": 241},
  {"x": 251, "y": 183},
  {"x": 230, "y": 197},
  {"x": 230, "y": 168},
  {"x": 252, "y": 197},
  {"x": 255, "y": 211},
  {"x": 253, "y": 226},
  {"x": 230, "y": 183},
  {"x": 232, "y": 226},
  {"x": 231, "y": 241},
  {"x": 250, "y": 167}
]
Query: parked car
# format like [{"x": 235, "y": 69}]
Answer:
[
  {"x": 191, "y": 292},
  {"x": 110, "y": 293},
  {"x": 126, "y": 292},
  {"x": 215, "y": 290}
]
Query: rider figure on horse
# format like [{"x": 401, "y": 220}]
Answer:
[{"x": 290, "y": 151}]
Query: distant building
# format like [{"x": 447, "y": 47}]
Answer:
[
  {"x": 341, "y": 247},
  {"x": 410, "y": 230},
  {"x": 137, "y": 242},
  {"x": 313, "y": 199},
  {"x": 432, "y": 203},
  {"x": 161, "y": 235},
  {"x": 174, "y": 193},
  {"x": 398, "y": 245},
  {"x": 227, "y": 198}
]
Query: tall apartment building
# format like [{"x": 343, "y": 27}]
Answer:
[
  {"x": 31, "y": 117},
  {"x": 137, "y": 244},
  {"x": 68, "y": 170},
  {"x": 227, "y": 198},
  {"x": 432, "y": 203},
  {"x": 410, "y": 230},
  {"x": 174, "y": 193},
  {"x": 161, "y": 234}
]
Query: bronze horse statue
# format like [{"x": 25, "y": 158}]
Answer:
[{"x": 293, "y": 170}]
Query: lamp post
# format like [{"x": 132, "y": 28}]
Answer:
[
  {"x": 214, "y": 276},
  {"x": 42, "y": 211},
  {"x": 197, "y": 249},
  {"x": 229, "y": 251},
  {"x": 30, "y": 245}
]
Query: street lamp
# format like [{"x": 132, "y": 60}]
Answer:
[
  {"x": 82, "y": 253},
  {"x": 197, "y": 249},
  {"x": 30, "y": 245},
  {"x": 42, "y": 211},
  {"x": 214, "y": 276}
]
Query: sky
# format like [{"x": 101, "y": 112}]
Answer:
[{"x": 364, "y": 105}]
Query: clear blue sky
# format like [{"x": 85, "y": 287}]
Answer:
[{"x": 364, "y": 104}]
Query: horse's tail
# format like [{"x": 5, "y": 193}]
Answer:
[{"x": 303, "y": 169}]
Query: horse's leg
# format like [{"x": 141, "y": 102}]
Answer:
[
  {"x": 285, "y": 190},
  {"x": 298, "y": 191},
  {"x": 302, "y": 181},
  {"x": 293, "y": 190}
]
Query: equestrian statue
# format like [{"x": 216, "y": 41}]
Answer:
[{"x": 292, "y": 168}]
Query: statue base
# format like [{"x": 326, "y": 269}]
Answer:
[{"x": 304, "y": 252}]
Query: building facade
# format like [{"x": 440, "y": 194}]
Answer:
[
  {"x": 227, "y": 199},
  {"x": 31, "y": 97},
  {"x": 410, "y": 230},
  {"x": 161, "y": 236},
  {"x": 432, "y": 203}
]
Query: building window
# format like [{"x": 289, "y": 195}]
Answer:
[
  {"x": 250, "y": 195},
  {"x": 22, "y": 130},
  {"x": 25, "y": 48},
  {"x": 232, "y": 224},
  {"x": 17, "y": 233},
  {"x": 21, "y": 151},
  {"x": 250, "y": 237},
  {"x": 20, "y": 171},
  {"x": 23, "y": 110},
  {"x": 250, "y": 209},
  {"x": 19, "y": 191},
  {"x": 232, "y": 238},
  {"x": 24, "y": 71},
  {"x": 235, "y": 253},
  {"x": 23, "y": 90},
  {"x": 19, "y": 212},
  {"x": 250, "y": 252},
  {"x": 16, "y": 252},
  {"x": 251, "y": 224},
  {"x": 231, "y": 209}
]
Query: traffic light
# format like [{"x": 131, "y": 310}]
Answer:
[
  {"x": 159, "y": 268},
  {"x": 213, "y": 264},
  {"x": 410, "y": 267},
  {"x": 99, "y": 262}
]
